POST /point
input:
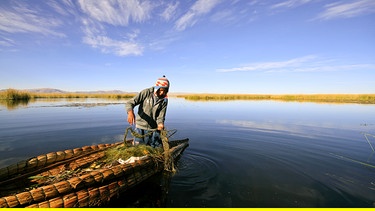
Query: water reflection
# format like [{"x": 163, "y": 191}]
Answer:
[
  {"x": 196, "y": 179},
  {"x": 14, "y": 104},
  {"x": 152, "y": 193},
  {"x": 59, "y": 102}
]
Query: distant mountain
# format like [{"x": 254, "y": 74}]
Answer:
[
  {"x": 51, "y": 90},
  {"x": 45, "y": 90},
  {"x": 102, "y": 92}
]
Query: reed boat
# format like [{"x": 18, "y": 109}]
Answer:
[{"x": 71, "y": 178}]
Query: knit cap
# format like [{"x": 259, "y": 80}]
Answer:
[{"x": 162, "y": 83}]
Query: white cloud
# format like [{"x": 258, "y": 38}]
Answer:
[
  {"x": 199, "y": 8},
  {"x": 23, "y": 19},
  {"x": 329, "y": 68},
  {"x": 108, "y": 45},
  {"x": 232, "y": 16},
  {"x": 169, "y": 11},
  {"x": 7, "y": 42},
  {"x": 347, "y": 10},
  {"x": 162, "y": 41},
  {"x": 270, "y": 65},
  {"x": 290, "y": 3},
  {"x": 96, "y": 37},
  {"x": 100, "y": 15},
  {"x": 56, "y": 6},
  {"x": 117, "y": 12},
  {"x": 302, "y": 64}
]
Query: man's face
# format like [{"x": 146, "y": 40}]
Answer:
[{"x": 161, "y": 93}]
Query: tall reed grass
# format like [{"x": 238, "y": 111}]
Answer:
[
  {"x": 329, "y": 98},
  {"x": 13, "y": 94}
]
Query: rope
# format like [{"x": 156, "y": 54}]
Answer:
[
  {"x": 135, "y": 134},
  {"x": 164, "y": 133},
  {"x": 168, "y": 159}
]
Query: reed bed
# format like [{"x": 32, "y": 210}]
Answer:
[
  {"x": 13, "y": 94},
  {"x": 16, "y": 95},
  {"x": 328, "y": 98}
]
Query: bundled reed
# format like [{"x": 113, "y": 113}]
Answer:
[
  {"x": 88, "y": 188},
  {"x": 36, "y": 163}
]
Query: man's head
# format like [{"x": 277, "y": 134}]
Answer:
[{"x": 162, "y": 87}]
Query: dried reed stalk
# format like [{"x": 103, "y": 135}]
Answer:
[
  {"x": 91, "y": 189},
  {"x": 42, "y": 162},
  {"x": 91, "y": 179}
]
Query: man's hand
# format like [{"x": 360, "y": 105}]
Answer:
[
  {"x": 131, "y": 118},
  {"x": 160, "y": 126}
]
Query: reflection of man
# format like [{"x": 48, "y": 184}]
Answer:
[{"x": 152, "y": 108}]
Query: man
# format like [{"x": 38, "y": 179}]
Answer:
[{"x": 152, "y": 108}]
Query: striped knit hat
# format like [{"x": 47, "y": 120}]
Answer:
[{"x": 162, "y": 83}]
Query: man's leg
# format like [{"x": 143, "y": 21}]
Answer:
[
  {"x": 155, "y": 139},
  {"x": 137, "y": 140}
]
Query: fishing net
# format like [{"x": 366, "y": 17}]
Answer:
[{"x": 164, "y": 135}]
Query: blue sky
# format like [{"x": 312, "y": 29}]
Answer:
[{"x": 203, "y": 46}]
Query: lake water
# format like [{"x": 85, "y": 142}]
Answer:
[{"x": 241, "y": 153}]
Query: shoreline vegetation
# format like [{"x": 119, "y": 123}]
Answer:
[
  {"x": 19, "y": 95},
  {"x": 13, "y": 94},
  {"x": 321, "y": 98}
]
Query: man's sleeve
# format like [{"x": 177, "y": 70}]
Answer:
[
  {"x": 136, "y": 100},
  {"x": 163, "y": 111}
]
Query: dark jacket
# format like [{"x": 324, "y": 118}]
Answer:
[{"x": 151, "y": 110}]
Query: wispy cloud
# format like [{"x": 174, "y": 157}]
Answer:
[
  {"x": 96, "y": 37},
  {"x": 302, "y": 64},
  {"x": 65, "y": 8},
  {"x": 266, "y": 66},
  {"x": 21, "y": 19},
  {"x": 190, "y": 18},
  {"x": 117, "y": 12},
  {"x": 7, "y": 42},
  {"x": 97, "y": 19},
  {"x": 290, "y": 4},
  {"x": 347, "y": 10},
  {"x": 338, "y": 9},
  {"x": 170, "y": 11},
  {"x": 104, "y": 14},
  {"x": 108, "y": 45}
]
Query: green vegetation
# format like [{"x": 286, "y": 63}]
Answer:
[
  {"x": 324, "y": 98},
  {"x": 12, "y": 94},
  {"x": 125, "y": 152}
]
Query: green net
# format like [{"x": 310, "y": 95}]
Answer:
[{"x": 164, "y": 135}]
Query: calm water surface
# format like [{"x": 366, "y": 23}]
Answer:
[{"x": 241, "y": 153}]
